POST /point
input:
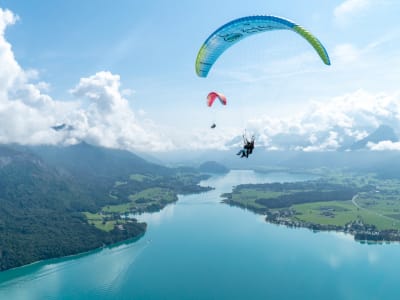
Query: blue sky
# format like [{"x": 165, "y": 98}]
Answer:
[{"x": 145, "y": 50}]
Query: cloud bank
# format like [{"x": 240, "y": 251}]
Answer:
[
  {"x": 333, "y": 124},
  {"x": 100, "y": 115}
]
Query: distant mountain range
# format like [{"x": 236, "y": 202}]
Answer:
[
  {"x": 86, "y": 160},
  {"x": 335, "y": 138},
  {"x": 382, "y": 133},
  {"x": 213, "y": 167},
  {"x": 289, "y": 148}
]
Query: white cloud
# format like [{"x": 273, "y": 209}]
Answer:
[
  {"x": 384, "y": 145},
  {"x": 327, "y": 125},
  {"x": 346, "y": 53},
  {"x": 108, "y": 120},
  {"x": 101, "y": 115},
  {"x": 10, "y": 70},
  {"x": 349, "y": 55},
  {"x": 25, "y": 113},
  {"x": 330, "y": 143},
  {"x": 349, "y": 8}
]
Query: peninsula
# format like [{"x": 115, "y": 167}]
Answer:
[{"x": 363, "y": 205}]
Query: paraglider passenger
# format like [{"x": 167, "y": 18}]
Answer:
[
  {"x": 247, "y": 147},
  {"x": 242, "y": 152}
]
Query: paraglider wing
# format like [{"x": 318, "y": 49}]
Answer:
[
  {"x": 236, "y": 30},
  {"x": 214, "y": 95}
]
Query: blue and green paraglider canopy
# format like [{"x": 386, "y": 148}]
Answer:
[{"x": 236, "y": 30}]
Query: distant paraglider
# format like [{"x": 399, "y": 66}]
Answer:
[
  {"x": 62, "y": 127},
  {"x": 211, "y": 97},
  {"x": 59, "y": 127},
  {"x": 236, "y": 30}
]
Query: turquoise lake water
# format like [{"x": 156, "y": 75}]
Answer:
[{"x": 199, "y": 248}]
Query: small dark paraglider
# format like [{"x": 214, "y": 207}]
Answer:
[
  {"x": 248, "y": 147},
  {"x": 62, "y": 127},
  {"x": 59, "y": 127},
  {"x": 213, "y": 126}
]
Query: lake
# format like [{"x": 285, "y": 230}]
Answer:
[{"x": 199, "y": 248}]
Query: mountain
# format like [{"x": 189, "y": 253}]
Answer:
[
  {"x": 86, "y": 160},
  {"x": 382, "y": 133},
  {"x": 44, "y": 189},
  {"x": 48, "y": 192},
  {"x": 213, "y": 167},
  {"x": 40, "y": 212}
]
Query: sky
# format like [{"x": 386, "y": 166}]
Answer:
[{"x": 121, "y": 74}]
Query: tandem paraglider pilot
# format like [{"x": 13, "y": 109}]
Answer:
[{"x": 248, "y": 147}]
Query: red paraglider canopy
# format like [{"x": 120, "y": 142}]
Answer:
[{"x": 214, "y": 95}]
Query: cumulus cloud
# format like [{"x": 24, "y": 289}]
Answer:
[
  {"x": 330, "y": 143},
  {"x": 384, "y": 145},
  {"x": 331, "y": 124},
  {"x": 25, "y": 112},
  {"x": 349, "y": 8},
  {"x": 108, "y": 119},
  {"x": 10, "y": 70},
  {"x": 100, "y": 115}
]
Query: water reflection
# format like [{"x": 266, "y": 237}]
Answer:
[
  {"x": 102, "y": 271},
  {"x": 155, "y": 218}
]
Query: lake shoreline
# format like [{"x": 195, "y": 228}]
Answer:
[
  {"x": 361, "y": 232},
  {"x": 129, "y": 239},
  {"x": 359, "y": 204},
  {"x": 76, "y": 255}
]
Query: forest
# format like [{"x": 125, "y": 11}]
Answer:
[{"x": 44, "y": 194}]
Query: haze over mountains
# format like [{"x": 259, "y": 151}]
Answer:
[
  {"x": 352, "y": 153},
  {"x": 381, "y": 134},
  {"x": 334, "y": 138},
  {"x": 84, "y": 159}
]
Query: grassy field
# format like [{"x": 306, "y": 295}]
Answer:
[
  {"x": 139, "y": 177},
  {"x": 156, "y": 197},
  {"x": 97, "y": 221},
  {"x": 341, "y": 212},
  {"x": 377, "y": 201},
  {"x": 247, "y": 197},
  {"x": 119, "y": 208},
  {"x": 155, "y": 194}
]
